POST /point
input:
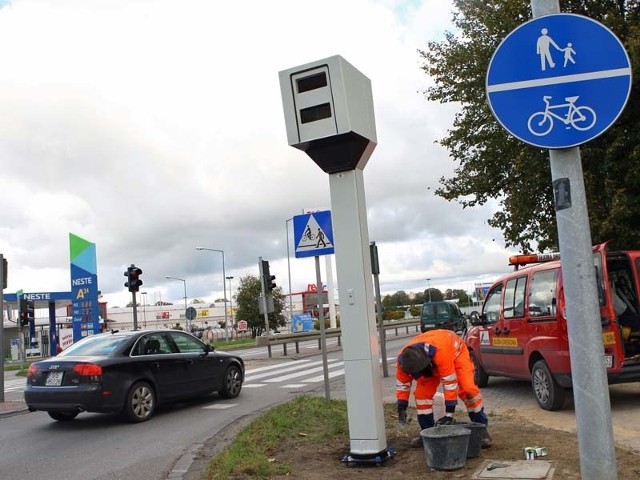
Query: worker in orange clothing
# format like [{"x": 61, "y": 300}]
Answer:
[{"x": 433, "y": 358}]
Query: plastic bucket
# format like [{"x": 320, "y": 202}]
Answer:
[
  {"x": 445, "y": 446},
  {"x": 475, "y": 439}
]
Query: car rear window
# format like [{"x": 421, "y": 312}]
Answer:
[{"x": 90, "y": 346}]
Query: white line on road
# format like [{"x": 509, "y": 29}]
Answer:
[
  {"x": 320, "y": 378},
  {"x": 300, "y": 374},
  {"x": 294, "y": 366},
  {"x": 220, "y": 406}
]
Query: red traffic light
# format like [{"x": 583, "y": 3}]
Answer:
[{"x": 133, "y": 275}]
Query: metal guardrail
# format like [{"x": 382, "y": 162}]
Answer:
[{"x": 295, "y": 338}]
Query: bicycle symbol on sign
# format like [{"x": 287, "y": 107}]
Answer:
[
  {"x": 581, "y": 118},
  {"x": 308, "y": 235}
]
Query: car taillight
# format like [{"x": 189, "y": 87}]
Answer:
[
  {"x": 33, "y": 369},
  {"x": 88, "y": 370}
]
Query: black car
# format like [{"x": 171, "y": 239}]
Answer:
[{"x": 130, "y": 372}]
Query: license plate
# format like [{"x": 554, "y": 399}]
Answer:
[
  {"x": 54, "y": 379},
  {"x": 608, "y": 361}
]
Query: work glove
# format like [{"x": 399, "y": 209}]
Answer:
[
  {"x": 445, "y": 421},
  {"x": 402, "y": 414}
]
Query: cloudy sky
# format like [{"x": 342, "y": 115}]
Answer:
[{"x": 151, "y": 127}]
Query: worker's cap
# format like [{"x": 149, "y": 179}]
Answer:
[{"x": 414, "y": 359}]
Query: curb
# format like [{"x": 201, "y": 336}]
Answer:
[{"x": 9, "y": 409}]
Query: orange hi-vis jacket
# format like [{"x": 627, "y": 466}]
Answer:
[{"x": 452, "y": 368}]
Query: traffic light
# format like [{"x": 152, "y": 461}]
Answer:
[
  {"x": 22, "y": 312},
  {"x": 31, "y": 311},
  {"x": 5, "y": 267},
  {"x": 267, "y": 278},
  {"x": 133, "y": 282}
]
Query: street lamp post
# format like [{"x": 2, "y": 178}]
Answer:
[
  {"x": 429, "y": 288},
  {"x": 224, "y": 288},
  {"x": 186, "y": 320},
  {"x": 144, "y": 307},
  {"x": 230, "y": 298}
]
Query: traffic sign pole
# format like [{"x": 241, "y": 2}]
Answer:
[
  {"x": 135, "y": 310},
  {"x": 590, "y": 387}
]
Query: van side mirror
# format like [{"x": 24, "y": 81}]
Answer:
[{"x": 475, "y": 318}]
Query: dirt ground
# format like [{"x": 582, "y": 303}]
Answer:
[{"x": 510, "y": 434}]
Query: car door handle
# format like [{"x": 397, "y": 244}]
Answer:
[
  {"x": 497, "y": 330},
  {"x": 190, "y": 361},
  {"x": 505, "y": 330}
]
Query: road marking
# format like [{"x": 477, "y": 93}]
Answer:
[
  {"x": 274, "y": 367},
  {"x": 220, "y": 406},
  {"x": 300, "y": 374},
  {"x": 295, "y": 365},
  {"x": 320, "y": 378},
  {"x": 16, "y": 385}
]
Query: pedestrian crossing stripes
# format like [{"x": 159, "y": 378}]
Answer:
[
  {"x": 303, "y": 372},
  {"x": 16, "y": 385},
  {"x": 293, "y": 370}
]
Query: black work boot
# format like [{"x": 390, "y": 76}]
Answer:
[
  {"x": 486, "y": 441},
  {"x": 416, "y": 442}
]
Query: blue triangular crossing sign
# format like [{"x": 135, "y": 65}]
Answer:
[{"x": 313, "y": 234}]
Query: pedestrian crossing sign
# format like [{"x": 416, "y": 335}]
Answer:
[{"x": 313, "y": 234}]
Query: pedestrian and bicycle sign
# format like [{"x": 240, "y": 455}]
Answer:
[
  {"x": 313, "y": 234},
  {"x": 558, "y": 81}
]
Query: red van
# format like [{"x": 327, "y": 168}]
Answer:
[{"x": 522, "y": 329}]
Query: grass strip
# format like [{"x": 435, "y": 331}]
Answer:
[{"x": 305, "y": 420}]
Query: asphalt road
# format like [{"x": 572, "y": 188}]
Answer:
[
  {"x": 103, "y": 447},
  {"x": 96, "y": 446}
]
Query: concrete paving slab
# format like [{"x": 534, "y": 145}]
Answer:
[{"x": 515, "y": 470}]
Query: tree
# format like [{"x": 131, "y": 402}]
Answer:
[
  {"x": 247, "y": 297},
  {"x": 433, "y": 295},
  {"x": 493, "y": 165},
  {"x": 461, "y": 296},
  {"x": 419, "y": 298}
]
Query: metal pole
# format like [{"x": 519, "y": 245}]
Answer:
[
  {"x": 323, "y": 334},
  {"x": 224, "y": 289},
  {"x": 186, "y": 320},
  {"x": 230, "y": 298},
  {"x": 135, "y": 311},
  {"x": 184, "y": 282},
  {"x": 263, "y": 297},
  {"x": 144, "y": 308},
  {"x": 429, "y": 288},
  {"x": 375, "y": 268},
  {"x": 286, "y": 226},
  {"x": 588, "y": 374},
  {"x": 2, "y": 274}
]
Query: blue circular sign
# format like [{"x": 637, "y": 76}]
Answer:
[{"x": 558, "y": 81}]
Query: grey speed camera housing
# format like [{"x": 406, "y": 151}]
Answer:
[{"x": 328, "y": 112}]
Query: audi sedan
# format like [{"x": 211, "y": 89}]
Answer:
[{"x": 131, "y": 372}]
